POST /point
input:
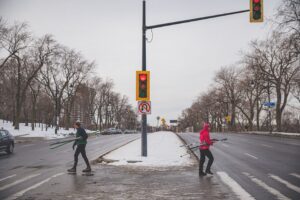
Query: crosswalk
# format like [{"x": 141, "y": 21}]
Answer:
[
  {"x": 243, "y": 194},
  {"x": 14, "y": 180}
]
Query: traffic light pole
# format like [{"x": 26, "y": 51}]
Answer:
[{"x": 144, "y": 68}]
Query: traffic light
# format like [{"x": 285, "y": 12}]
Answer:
[
  {"x": 256, "y": 11},
  {"x": 143, "y": 85}
]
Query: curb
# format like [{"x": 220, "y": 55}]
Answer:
[
  {"x": 263, "y": 134},
  {"x": 184, "y": 142},
  {"x": 273, "y": 135},
  {"x": 100, "y": 158}
]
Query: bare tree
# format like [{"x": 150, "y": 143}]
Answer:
[
  {"x": 277, "y": 62},
  {"x": 13, "y": 40},
  {"x": 227, "y": 79}
]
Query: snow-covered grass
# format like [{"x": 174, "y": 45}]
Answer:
[
  {"x": 25, "y": 131},
  {"x": 163, "y": 150},
  {"x": 275, "y": 133}
]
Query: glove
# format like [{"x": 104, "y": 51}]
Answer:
[{"x": 74, "y": 144}]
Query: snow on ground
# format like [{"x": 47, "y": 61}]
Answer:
[
  {"x": 25, "y": 131},
  {"x": 163, "y": 150},
  {"x": 276, "y": 133}
]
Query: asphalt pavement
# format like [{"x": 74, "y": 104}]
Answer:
[
  {"x": 245, "y": 167},
  {"x": 34, "y": 164},
  {"x": 256, "y": 166}
]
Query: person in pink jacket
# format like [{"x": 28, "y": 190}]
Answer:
[{"x": 205, "y": 143}]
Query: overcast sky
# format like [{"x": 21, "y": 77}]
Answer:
[{"x": 182, "y": 59}]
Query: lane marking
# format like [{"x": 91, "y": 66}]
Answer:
[
  {"x": 265, "y": 145},
  {"x": 287, "y": 184},
  {"x": 235, "y": 187},
  {"x": 266, "y": 187},
  {"x": 3, "y": 179},
  {"x": 18, "y": 181},
  {"x": 250, "y": 155},
  {"x": 22, "y": 192},
  {"x": 295, "y": 175}
]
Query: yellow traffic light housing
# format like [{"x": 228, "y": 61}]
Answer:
[
  {"x": 143, "y": 85},
  {"x": 256, "y": 11}
]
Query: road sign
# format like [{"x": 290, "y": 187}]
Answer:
[
  {"x": 173, "y": 121},
  {"x": 270, "y": 104},
  {"x": 228, "y": 118},
  {"x": 144, "y": 107}
]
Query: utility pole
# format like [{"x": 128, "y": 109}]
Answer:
[{"x": 144, "y": 67}]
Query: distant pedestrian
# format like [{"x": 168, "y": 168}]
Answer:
[
  {"x": 80, "y": 141},
  {"x": 205, "y": 143}
]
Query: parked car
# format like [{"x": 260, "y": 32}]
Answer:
[
  {"x": 111, "y": 131},
  {"x": 7, "y": 141},
  {"x": 130, "y": 131}
]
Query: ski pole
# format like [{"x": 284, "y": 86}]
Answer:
[{"x": 61, "y": 144}]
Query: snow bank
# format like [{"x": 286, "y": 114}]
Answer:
[
  {"x": 163, "y": 150},
  {"x": 25, "y": 131},
  {"x": 275, "y": 133}
]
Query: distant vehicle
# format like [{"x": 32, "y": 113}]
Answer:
[
  {"x": 130, "y": 131},
  {"x": 7, "y": 141},
  {"x": 111, "y": 131}
]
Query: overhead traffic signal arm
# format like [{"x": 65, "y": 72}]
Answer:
[{"x": 256, "y": 11}]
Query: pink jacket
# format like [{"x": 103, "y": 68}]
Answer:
[{"x": 205, "y": 141}]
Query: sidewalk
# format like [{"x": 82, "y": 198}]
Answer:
[{"x": 115, "y": 182}]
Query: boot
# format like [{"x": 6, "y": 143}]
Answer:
[
  {"x": 72, "y": 170},
  {"x": 88, "y": 169},
  {"x": 202, "y": 173},
  {"x": 209, "y": 172}
]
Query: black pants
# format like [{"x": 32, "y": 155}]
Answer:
[
  {"x": 81, "y": 149},
  {"x": 208, "y": 154}
]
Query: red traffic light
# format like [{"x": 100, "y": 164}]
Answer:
[
  {"x": 143, "y": 86},
  {"x": 256, "y": 1},
  {"x": 143, "y": 77}
]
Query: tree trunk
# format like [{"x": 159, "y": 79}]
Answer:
[
  {"x": 278, "y": 109},
  {"x": 33, "y": 114},
  {"x": 18, "y": 98}
]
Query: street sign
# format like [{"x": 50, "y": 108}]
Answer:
[
  {"x": 144, "y": 107},
  {"x": 228, "y": 118},
  {"x": 270, "y": 104},
  {"x": 173, "y": 121}
]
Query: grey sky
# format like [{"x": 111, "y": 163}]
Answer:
[{"x": 182, "y": 58}]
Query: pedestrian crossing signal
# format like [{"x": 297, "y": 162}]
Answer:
[
  {"x": 143, "y": 85},
  {"x": 256, "y": 11}
]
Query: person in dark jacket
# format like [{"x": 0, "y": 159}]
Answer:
[
  {"x": 80, "y": 141},
  {"x": 205, "y": 143}
]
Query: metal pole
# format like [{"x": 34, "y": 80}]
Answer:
[
  {"x": 144, "y": 68},
  {"x": 269, "y": 108}
]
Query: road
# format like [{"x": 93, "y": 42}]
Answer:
[
  {"x": 256, "y": 166},
  {"x": 34, "y": 164}
]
